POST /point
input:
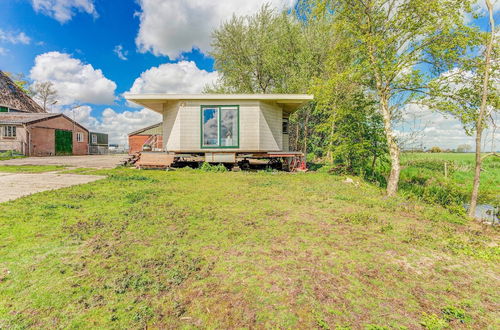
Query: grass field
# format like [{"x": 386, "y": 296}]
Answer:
[
  {"x": 423, "y": 176},
  {"x": 30, "y": 168},
  {"x": 228, "y": 250}
]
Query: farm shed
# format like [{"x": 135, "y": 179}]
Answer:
[
  {"x": 151, "y": 136},
  {"x": 98, "y": 143},
  {"x": 223, "y": 128},
  {"x": 42, "y": 134}
]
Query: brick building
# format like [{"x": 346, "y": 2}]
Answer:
[
  {"x": 150, "y": 137},
  {"x": 42, "y": 134},
  {"x": 28, "y": 129}
]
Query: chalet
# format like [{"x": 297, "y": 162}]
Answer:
[{"x": 224, "y": 128}]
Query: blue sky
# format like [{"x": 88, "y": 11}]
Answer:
[{"x": 96, "y": 50}]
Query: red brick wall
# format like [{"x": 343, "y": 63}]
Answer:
[
  {"x": 42, "y": 137},
  {"x": 135, "y": 142}
]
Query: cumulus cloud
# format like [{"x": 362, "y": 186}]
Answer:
[
  {"x": 421, "y": 127},
  {"x": 74, "y": 80},
  {"x": 14, "y": 38},
  {"x": 180, "y": 77},
  {"x": 120, "y": 52},
  {"x": 116, "y": 124},
  {"x": 64, "y": 10},
  {"x": 174, "y": 26}
]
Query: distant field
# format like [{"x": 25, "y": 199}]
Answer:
[
  {"x": 189, "y": 249},
  {"x": 423, "y": 175}
]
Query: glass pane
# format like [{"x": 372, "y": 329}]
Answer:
[
  {"x": 229, "y": 127},
  {"x": 210, "y": 127}
]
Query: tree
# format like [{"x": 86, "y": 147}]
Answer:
[
  {"x": 482, "y": 111},
  {"x": 400, "y": 45},
  {"x": 464, "y": 148},
  {"x": 273, "y": 52},
  {"x": 20, "y": 81},
  {"x": 470, "y": 92},
  {"x": 45, "y": 93}
]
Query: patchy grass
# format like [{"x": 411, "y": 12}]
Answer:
[
  {"x": 30, "y": 168},
  {"x": 190, "y": 249},
  {"x": 10, "y": 155}
]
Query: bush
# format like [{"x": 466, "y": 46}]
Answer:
[{"x": 207, "y": 167}]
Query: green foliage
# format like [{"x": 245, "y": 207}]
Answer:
[
  {"x": 10, "y": 154},
  {"x": 433, "y": 322},
  {"x": 452, "y": 313},
  {"x": 207, "y": 167}
]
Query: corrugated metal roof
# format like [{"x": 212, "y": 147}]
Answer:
[
  {"x": 155, "y": 129},
  {"x": 13, "y": 97},
  {"x": 18, "y": 118}
]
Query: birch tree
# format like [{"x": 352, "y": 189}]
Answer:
[
  {"x": 401, "y": 45},
  {"x": 471, "y": 94}
]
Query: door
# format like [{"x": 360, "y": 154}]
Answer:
[{"x": 64, "y": 142}]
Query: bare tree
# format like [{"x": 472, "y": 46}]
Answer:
[
  {"x": 45, "y": 93},
  {"x": 482, "y": 112}
]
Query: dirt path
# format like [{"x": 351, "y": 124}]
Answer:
[
  {"x": 90, "y": 161},
  {"x": 15, "y": 185}
]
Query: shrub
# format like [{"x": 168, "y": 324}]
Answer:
[{"x": 207, "y": 167}]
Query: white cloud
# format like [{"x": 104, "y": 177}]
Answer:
[
  {"x": 116, "y": 124},
  {"x": 480, "y": 6},
  {"x": 171, "y": 27},
  {"x": 13, "y": 38},
  {"x": 3, "y": 51},
  {"x": 122, "y": 54},
  {"x": 64, "y": 10},
  {"x": 180, "y": 77},
  {"x": 422, "y": 127},
  {"x": 74, "y": 80}
]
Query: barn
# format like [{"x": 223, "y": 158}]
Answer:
[{"x": 42, "y": 134}]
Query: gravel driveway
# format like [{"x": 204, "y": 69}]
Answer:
[{"x": 15, "y": 185}]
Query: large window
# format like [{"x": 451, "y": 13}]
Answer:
[{"x": 220, "y": 127}]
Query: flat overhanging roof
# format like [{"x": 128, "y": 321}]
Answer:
[{"x": 290, "y": 102}]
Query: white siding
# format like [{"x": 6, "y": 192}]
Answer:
[
  {"x": 171, "y": 127},
  {"x": 271, "y": 125},
  {"x": 286, "y": 142}
]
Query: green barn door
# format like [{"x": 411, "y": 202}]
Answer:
[{"x": 64, "y": 142}]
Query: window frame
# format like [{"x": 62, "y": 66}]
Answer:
[
  {"x": 219, "y": 112},
  {"x": 9, "y": 134},
  {"x": 93, "y": 138},
  {"x": 79, "y": 137}
]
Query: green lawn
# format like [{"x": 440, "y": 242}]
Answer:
[
  {"x": 423, "y": 175},
  {"x": 230, "y": 250},
  {"x": 30, "y": 168}
]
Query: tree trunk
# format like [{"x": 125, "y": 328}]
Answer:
[
  {"x": 392, "y": 182},
  {"x": 482, "y": 111}
]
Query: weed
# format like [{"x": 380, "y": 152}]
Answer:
[
  {"x": 433, "y": 322},
  {"x": 207, "y": 167},
  {"x": 452, "y": 313},
  {"x": 361, "y": 217}
]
